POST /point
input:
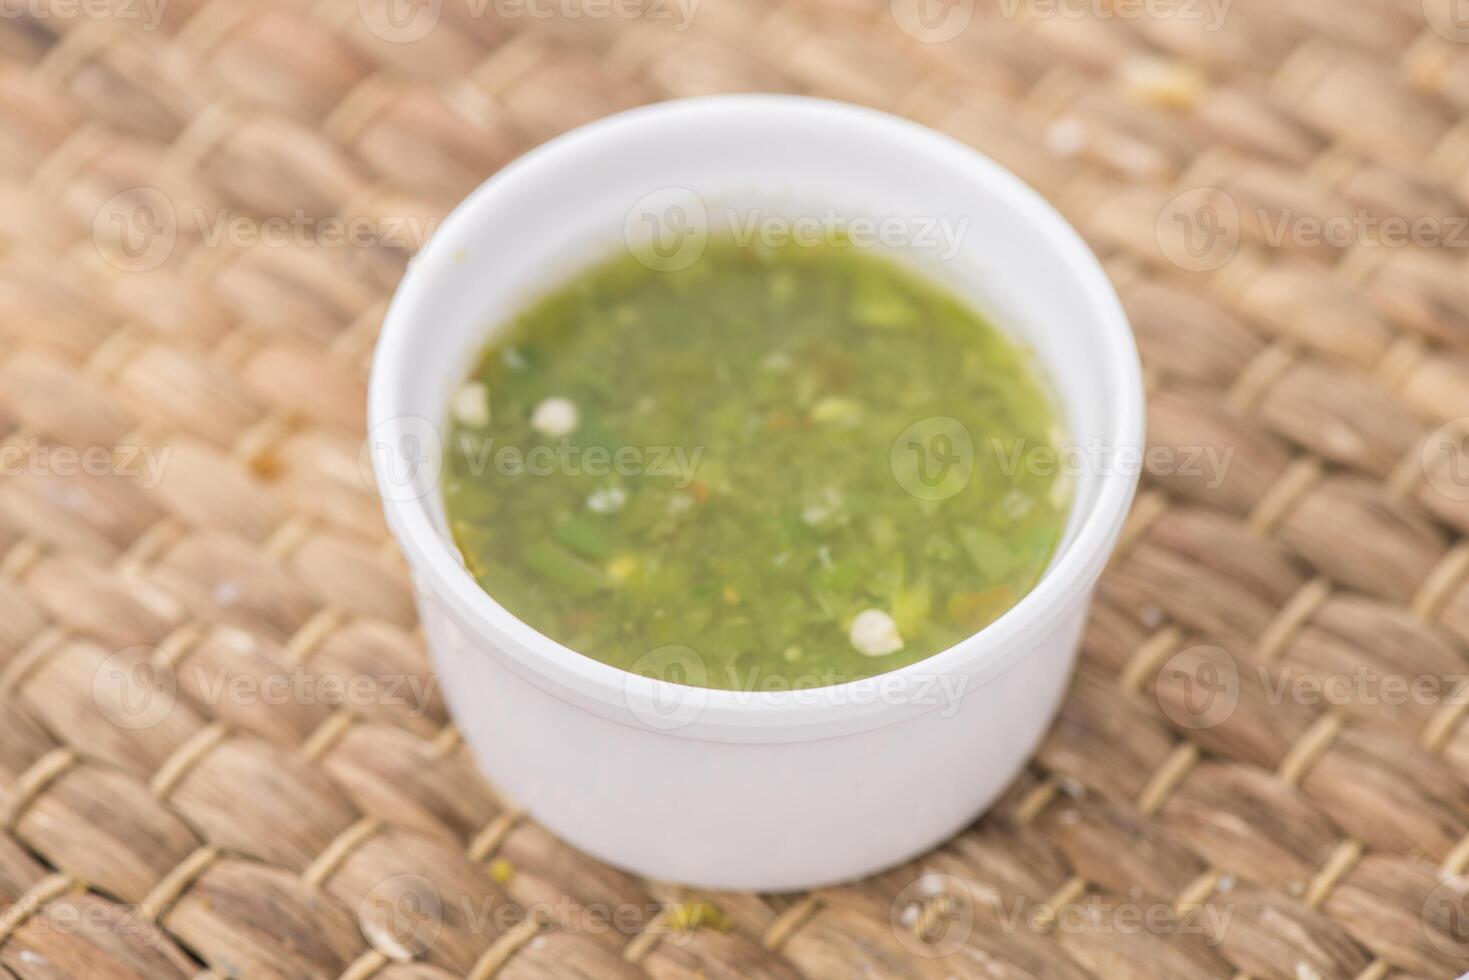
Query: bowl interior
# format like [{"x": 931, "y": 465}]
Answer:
[
  {"x": 949, "y": 213},
  {"x": 766, "y": 174}
]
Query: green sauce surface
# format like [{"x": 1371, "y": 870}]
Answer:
[{"x": 764, "y": 471}]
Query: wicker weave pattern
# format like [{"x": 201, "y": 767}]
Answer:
[{"x": 152, "y": 827}]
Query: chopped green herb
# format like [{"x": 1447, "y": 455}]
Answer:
[{"x": 779, "y": 466}]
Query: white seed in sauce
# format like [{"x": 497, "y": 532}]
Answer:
[
  {"x": 555, "y": 417},
  {"x": 607, "y": 500},
  {"x": 1016, "y": 505},
  {"x": 471, "y": 405},
  {"x": 874, "y": 634},
  {"x": 777, "y": 361}
]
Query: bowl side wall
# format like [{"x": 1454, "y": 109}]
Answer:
[{"x": 743, "y": 816}]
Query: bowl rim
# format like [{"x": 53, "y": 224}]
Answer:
[{"x": 624, "y": 696}]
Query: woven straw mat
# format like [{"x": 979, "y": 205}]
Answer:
[{"x": 221, "y": 754}]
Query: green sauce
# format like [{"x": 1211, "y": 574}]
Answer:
[{"x": 804, "y": 465}]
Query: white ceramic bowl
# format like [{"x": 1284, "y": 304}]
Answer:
[{"x": 773, "y": 790}]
